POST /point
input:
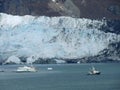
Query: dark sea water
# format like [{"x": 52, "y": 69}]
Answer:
[{"x": 62, "y": 77}]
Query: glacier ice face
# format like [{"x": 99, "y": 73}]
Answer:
[
  {"x": 13, "y": 59},
  {"x": 48, "y": 37}
]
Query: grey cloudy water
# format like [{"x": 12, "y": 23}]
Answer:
[{"x": 62, "y": 77}]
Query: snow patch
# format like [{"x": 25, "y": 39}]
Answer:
[{"x": 60, "y": 61}]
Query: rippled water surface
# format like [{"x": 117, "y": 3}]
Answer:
[{"x": 62, "y": 77}]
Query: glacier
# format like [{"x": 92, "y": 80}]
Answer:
[
  {"x": 12, "y": 59},
  {"x": 52, "y": 37}
]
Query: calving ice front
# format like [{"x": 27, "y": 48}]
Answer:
[{"x": 49, "y": 37}]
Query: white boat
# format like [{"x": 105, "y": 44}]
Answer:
[
  {"x": 94, "y": 72},
  {"x": 26, "y": 69}
]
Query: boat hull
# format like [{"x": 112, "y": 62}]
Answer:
[
  {"x": 26, "y": 69},
  {"x": 90, "y": 73}
]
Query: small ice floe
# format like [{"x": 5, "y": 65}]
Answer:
[{"x": 50, "y": 68}]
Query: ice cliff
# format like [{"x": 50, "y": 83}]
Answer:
[{"x": 52, "y": 37}]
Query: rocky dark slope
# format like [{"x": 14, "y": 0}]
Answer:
[{"x": 94, "y": 9}]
